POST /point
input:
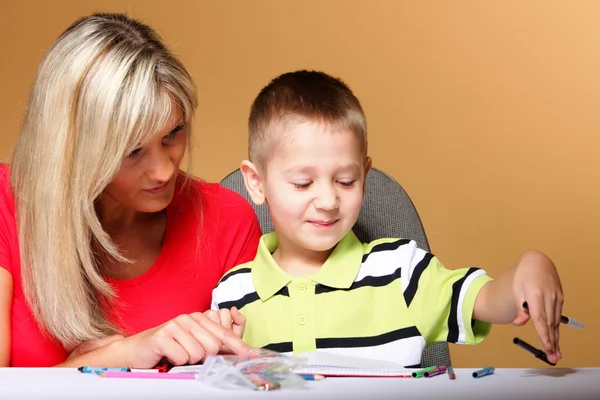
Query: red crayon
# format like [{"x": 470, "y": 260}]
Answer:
[{"x": 451, "y": 373}]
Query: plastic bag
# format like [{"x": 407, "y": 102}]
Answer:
[{"x": 261, "y": 370}]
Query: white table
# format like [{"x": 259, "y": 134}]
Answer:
[{"x": 554, "y": 383}]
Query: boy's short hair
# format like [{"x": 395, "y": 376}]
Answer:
[{"x": 298, "y": 97}]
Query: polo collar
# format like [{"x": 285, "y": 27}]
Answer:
[{"x": 339, "y": 271}]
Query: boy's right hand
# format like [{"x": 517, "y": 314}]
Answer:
[{"x": 186, "y": 339}]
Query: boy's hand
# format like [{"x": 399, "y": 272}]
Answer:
[
  {"x": 230, "y": 319},
  {"x": 536, "y": 282}
]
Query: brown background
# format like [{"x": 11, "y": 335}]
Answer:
[{"x": 486, "y": 112}]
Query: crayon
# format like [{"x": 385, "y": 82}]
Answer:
[
  {"x": 565, "y": 320},
  {"x": 312, "y": 377},
  {"x": 97, "y": 370},
  {"x": 421, "y": 373},
  {"x": 536, "y": 352},
  {"x": 451, "y": 375},
  {"x": 148, "y": 375},
  {"x": 483, "y": 372},
  {"x": 437, "y": 371}
]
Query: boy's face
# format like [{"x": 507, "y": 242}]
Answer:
[{"x": 314, "y": 183}]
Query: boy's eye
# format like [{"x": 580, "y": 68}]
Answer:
[
  {"x": 134, "y": 153},
  {"x": 346, "y": 183},
  {"x": 301, "y": 185}
]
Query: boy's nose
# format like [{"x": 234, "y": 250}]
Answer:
[{"x": 326, "y": 199}]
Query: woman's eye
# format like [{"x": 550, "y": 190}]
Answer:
[
  {"x": 173, "y": 134},
  {"x": 134, "y": 153}
]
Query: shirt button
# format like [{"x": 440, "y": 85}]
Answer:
[
  {"x": 302, "y": 320},
  {"x": 302, "y": 289}
]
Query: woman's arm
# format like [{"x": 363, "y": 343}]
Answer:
[
  {"x": 186, "y": 339},
  {"x": 6, "y": 295}
]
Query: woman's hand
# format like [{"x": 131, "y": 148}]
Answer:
[
  {"x": 229, "y": 319},
  {"x": 90, "y": 345},
  {"x": 186, "y": 339}
]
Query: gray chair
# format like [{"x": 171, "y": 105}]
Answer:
[{"x": 387, "y": 211}]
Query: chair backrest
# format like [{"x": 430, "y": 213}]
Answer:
[{"x": 387, "y": 211}]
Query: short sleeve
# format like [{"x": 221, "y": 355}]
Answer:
[
  {"x": 441, "y": 301},
  {"x": 240, "y": 230},
  {"x": 214, "y": 304},
  {"x": 7, "y": 221}
]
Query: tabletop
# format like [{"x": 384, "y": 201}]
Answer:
[{"x": 547, "y": 383}]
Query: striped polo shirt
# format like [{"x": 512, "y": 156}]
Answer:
[{"x": 386, "y": 300}]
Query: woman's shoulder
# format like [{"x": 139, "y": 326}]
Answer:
[
  {"x": 4, "y": 174},
  {"x": 5, "y": 192},
  {"x": 8, "y": 226},
  {"x": 213, "y": 195}
]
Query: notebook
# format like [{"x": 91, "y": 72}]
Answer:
[{"x": 331, "y": 364}]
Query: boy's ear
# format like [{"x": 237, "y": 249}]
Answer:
[
  {"x": 368, "y": 162},
  {"x": 253, "y": 182}
]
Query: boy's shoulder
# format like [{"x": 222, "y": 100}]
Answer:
[
  {"x": 235, "y": 288},
  {"x": 387, "y": 243},
  {"x": 242, "y": 269},
  {"x": 391, "y": 249}
]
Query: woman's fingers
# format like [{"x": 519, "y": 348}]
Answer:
[
  {"x": 183, "y": 341},
  {"x": 226, "y": 336},
  {"x": 212, "y": 315},
  {"x": 190, "y": 338}
]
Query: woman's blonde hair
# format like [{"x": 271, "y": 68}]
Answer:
[{"x": 105, "y": 87}]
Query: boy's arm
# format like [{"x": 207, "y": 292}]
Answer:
[
  {"x": 440, "y": 301},
  {"x": 533, "y": 279}
]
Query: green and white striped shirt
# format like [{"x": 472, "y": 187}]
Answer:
[{"x": 386, "y": 300}]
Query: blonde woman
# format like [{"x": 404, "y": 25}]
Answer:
[{"x": 108, "y": 252}]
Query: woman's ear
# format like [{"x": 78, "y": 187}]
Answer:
[{"x": 253, "y": 182}]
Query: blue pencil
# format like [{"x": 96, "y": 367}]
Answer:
[
  {"x": 312, "y": 377},
  {"x": 98, "y": 370}
]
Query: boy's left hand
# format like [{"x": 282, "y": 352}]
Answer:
[
  {"x": 536, "y": 281},
  {"x": 231, "y": 319}
]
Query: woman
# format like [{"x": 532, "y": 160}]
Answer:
[{"x": 108, "y": 252}]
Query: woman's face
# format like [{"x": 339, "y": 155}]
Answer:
[{"x": 146, "y": 180}]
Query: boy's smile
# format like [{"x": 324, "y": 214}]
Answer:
[{"x": 323, "y": 224}]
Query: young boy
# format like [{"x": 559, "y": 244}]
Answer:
[{"x": 314, "y": 286}]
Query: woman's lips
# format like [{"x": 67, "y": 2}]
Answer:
[{"x": 157, "y": 189}]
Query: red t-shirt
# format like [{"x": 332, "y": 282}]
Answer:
[{"x": 210, "y": 229}]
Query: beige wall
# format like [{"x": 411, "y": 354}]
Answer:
[{"x": 484, "y": 111}]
